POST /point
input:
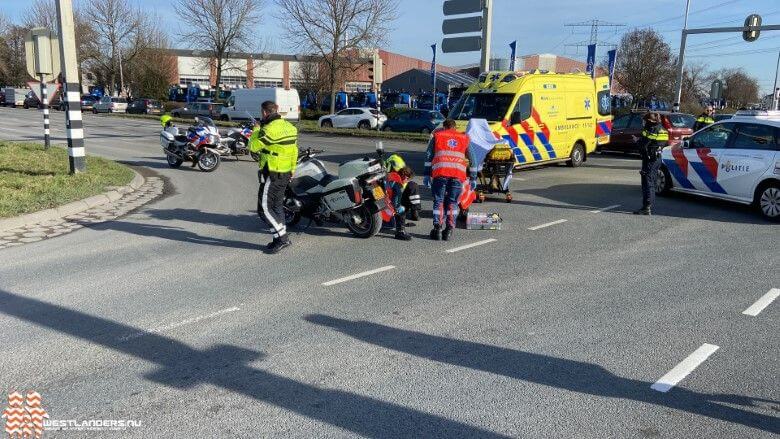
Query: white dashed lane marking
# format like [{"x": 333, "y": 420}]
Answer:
[
  {"x": 682, "y": 370},
  {"x": 468, "y": 246},
  {"x": 761, "y": 304},
  {"x": 173, "y": 326},
  {"x": 605, "y": 209},
  {"x": 358, "y": 276},
  {"x": 542, "y": 226}
]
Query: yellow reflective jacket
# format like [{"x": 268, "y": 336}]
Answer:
[{"x": 276, "y": 143}]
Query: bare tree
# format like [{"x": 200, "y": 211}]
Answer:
[
  {"x": 310, "y": 78},
  {"x": 338, "y": 31},
  {"x": 740, "y": 89},
  {"x": 13, "y": 66},
  {"x": 223, "y": 27},
  {"x": 645, "y": 67},
  {"x": 40, "y": 13},
  {"x": 694, "y": 87}
]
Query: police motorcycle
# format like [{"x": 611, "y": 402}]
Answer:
[
  {"x": 237, "y": 139},
  {"x": 355, "y": 196},
  {"x": 200, "y": 144}
]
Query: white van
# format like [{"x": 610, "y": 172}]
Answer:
[
  {"x": 248, "y": 100},
  {"x": 14, "y": 97}
]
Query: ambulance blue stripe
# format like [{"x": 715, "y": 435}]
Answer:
[
  {"x": 546, "y": 142},
  {"x": 605, "y": 128},
  {"x": 530, "y": 144},
  {"x": 707, "y": 177},
  {"x": 678, "y": 175},
  {"x": 518, "y": 153}
]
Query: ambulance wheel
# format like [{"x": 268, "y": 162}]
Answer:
[
  {"x": 663, "y": 181},
  {"x": 577, "y": 157}
]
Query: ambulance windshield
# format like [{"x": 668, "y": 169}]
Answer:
[{"x": 490, "y": 106}]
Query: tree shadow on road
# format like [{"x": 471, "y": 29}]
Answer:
[
  {"x": 185, "y": 367},
  {"x": 571, "y": 375},
  {"x": 171, "y": 233}
]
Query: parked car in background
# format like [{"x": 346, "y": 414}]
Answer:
[
  {"x": 627, "y": 130},
  {"x": 108, "y": 104},
  {"x": 362, "y": 118},
  {"x": 414, "y": 121},
  {"x": 213, "y": 111},
  {"x": 145, "y": 106},
  {"x": 14, "y": 97},
  {"x": 87, "y": 102}
]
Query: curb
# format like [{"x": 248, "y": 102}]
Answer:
[{"x": 73, "y": 207}]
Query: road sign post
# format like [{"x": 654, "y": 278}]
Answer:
[
  {"x": 43, "y": 62},
  {"x": 72, "y": 91}
]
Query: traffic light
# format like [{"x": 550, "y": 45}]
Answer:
[
  {"x": 375, "y": 72},
  {"x": 753, "y": 22}
]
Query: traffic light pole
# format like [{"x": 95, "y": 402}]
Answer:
[
  {"x": 775, "y": 97},
  {"x": 71, "y": 93}
]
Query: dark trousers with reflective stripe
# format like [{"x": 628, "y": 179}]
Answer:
[
  {"x": 410, "y": 198},
  {"x": 649, "y": 173},
  {"x": 270, "y": 200}
]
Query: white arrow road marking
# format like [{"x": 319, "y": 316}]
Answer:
[{"x": 682, "y": 370}]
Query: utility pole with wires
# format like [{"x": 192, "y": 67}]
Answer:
[{"x": 594, "y": 25}]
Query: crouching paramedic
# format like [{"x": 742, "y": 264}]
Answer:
[
  {"x": 446, "y": 163},
  {"x": 395, "y": 190},
  {"x": 275, "y": 141},
  {"x": 410, "y": 197}
]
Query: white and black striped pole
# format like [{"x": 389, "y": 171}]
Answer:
[
  {"x": 72, "y": 90},
  {"x": 45, "y": 103}
]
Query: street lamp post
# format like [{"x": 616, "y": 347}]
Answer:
[{"x": 775, "y": 98}]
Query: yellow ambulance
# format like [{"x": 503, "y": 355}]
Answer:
[{"x": 544, "y": 117}]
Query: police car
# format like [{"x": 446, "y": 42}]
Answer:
[{"x": 737, "y": 159}]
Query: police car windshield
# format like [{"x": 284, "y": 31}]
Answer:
[{"x": 490, "y": 106}]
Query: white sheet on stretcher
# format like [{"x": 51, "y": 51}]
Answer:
[{"x": 482, "y": 141}]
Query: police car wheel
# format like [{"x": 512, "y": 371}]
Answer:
[
  {"x": 663, "y": 181},
  {"x": 577, "y": 157},
  {"x": 769, "y": 201}
]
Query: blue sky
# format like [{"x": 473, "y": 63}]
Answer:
[{"x": 538, "y": 26}]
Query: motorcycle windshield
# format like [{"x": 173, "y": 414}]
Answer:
[{"x": 206, "y": 121}]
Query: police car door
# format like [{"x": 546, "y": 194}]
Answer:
[
  {"x": 746, "y": 159},
  {"x": 701, "y": 158}
]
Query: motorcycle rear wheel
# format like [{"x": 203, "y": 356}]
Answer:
[
  {"x": 208, "y": 161},
  {"x": 173, "y": 162},
  {"x": 364, "y": 224}
]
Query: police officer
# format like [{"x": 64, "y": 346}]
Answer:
[
  {"x": 275, "y": 141},
  {"x": 654, "y": 138},
  {"x": 705, "y": 119},
  {"x": 410, "y": 197}
]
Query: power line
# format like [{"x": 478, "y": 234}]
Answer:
[
  {"x": 740, "y": 53},
  {"x": 594, "y": 25},
  {"x": 709, "y": 8}
]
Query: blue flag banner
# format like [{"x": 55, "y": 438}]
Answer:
[
  {"x": 513, "y": 46},
  {"x": 612, "y": 54},
  {"x": 433, "y": 64},
  {"x": 591, "y": 63}
]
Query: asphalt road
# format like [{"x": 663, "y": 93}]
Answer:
[{"x": 174, "y": 317}]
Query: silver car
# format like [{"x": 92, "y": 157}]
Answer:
[
  {"x": 207, "y": 109},
  {"x": 107, "y": 104}
]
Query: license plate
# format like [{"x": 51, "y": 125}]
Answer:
[{"x": 378, "y": 193}]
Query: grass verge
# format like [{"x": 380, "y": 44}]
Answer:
[
  {"x": 305, "y": 126},
  {"x": 33, "y": 179}
]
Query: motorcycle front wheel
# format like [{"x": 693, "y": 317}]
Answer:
[
  {"x": 208, "y": 161},
  {"x": 364, "y": 224}
]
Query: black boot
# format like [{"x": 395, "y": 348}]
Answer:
[
  {"x": 414, "y": 215},
  {"x": 401, "y": 235},
  {"x": 447, "y": 234},
  {"x": 278, "y": 244},
  {"x": 643, "y": 211},
  {"x": 436, "y": 233}
]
